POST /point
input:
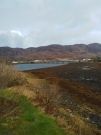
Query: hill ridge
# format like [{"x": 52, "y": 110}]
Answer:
[{"x": 53, "y": 51}]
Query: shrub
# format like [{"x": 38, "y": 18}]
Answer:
[
  {"x": 48, "y": 96},
  {"x": 9, "y": 76}
]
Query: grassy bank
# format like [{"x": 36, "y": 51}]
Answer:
[
  {"x": 21, "y": 118},
  {"x": 29, "y": 94}
]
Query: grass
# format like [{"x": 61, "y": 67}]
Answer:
[
  {"x": 26, "y": 120},
  {"x": 10, "y": 77}
]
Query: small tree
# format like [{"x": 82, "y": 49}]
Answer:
[{"x": 48, "y": 96}]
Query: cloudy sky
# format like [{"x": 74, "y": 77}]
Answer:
[{"x": 42, "y": 22}]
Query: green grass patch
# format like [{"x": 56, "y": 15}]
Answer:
[{"x": 27, "y": 120}]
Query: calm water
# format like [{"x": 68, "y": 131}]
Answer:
[{"x": 22, "y": 67}]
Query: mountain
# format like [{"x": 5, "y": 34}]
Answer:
[{"x": 54, "y": 51}]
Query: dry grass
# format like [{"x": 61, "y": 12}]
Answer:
[
  {"x": 47, "y": 96},
  {"x": 9, "y": 76},
  {"x": 75, "y": 124}
]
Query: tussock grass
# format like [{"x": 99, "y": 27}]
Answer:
[{"x": 9, "y": 76}]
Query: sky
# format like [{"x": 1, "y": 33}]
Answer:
[{"x": 44, "y": 22}]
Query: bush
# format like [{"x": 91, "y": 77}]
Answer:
[
  {"x": 9, "y": 76},
  {"x": 48, "y": 96}
]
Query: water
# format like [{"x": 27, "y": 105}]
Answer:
[{"x": 23, "y": 67}]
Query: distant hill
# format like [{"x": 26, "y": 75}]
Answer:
[{"x": 54, "y": 51}]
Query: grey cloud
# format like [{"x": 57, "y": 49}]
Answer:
[{"x": 52, "y": 21}]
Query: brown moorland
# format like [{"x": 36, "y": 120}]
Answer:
[{"x": 80, "y": 87}]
